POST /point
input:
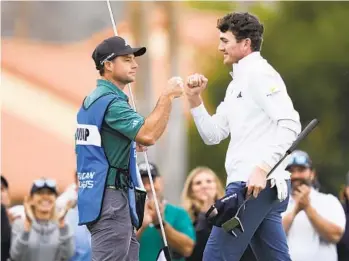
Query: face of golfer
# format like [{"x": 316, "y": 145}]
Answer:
[
  {"x": 158, "y": 186},
  {"x": 301, "y": 175},
  {"x": 204, "y": 186},
  {"x": 123, "y": 68},
  {"x": 232, "y": 50}
]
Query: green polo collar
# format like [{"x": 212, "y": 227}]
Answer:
[{"x": 111, "y": 87}]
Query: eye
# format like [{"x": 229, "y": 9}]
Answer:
[
  {"x": 198, "y": 183},
  {"x": 209, "y": 181}
]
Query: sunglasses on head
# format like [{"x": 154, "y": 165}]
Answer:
[
  {"x": 299, "y": 160},
  {"x": 40, "y": 183}
]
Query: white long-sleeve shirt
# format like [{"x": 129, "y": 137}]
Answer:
[{"x": 259, "y": 116}]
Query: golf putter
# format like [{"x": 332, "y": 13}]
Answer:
[{"x": 235, "y": 221}]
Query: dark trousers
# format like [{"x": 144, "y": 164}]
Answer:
[
  {"x": 263, "y": 231},
  {"x": 113, "y": 237}
]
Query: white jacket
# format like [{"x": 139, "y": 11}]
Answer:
[{"x": 259, "y": 116}]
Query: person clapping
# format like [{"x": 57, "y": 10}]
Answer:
[{"x": 43, "y": 234}]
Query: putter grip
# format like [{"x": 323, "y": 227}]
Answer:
[{"x": 303, "y": 134}]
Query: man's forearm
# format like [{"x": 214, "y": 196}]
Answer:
[
  {"x": 325, "y": 228},
  {"x": 212, "y": 129},
  {"x": 286, "y": 134},
  {"x": 155, "y": 124},
  {"x": 194, "y": 101},
  {"x": 158, "y": 119},
  {"x": 179, "y": 241},
  {"x": 287, "y": 221}
]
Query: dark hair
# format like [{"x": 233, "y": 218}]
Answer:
[
  {"x": 243, "y": 25},
  {"x": 4, "y": 182},
  {"x": 76, "y": 177},
  {"x": 101, "y": 71},
  {"x": 101, "y": 68}
]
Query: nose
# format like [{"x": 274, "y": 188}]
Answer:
[
  {"x": 221, "y": 47},
  {"x": 296, "y": 174},
  {"x": 134, "y": 65},
  {"x": 204, "y": 186}
]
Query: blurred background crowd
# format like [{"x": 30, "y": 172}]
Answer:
[
  {"x": 45, "y": 227},
  {"x": 47, "y": 70}
]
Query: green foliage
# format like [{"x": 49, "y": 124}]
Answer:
[
  {"x": 307, "y": 43},
  {"x": 212, "y": 5}
]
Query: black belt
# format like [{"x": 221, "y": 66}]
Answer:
[{"x": 122, "y": 180}]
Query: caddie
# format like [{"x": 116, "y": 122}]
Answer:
[{"x": 107, "y": 127}]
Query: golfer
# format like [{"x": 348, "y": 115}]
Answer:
[
  {"x": 107, "y": 126},
  {"x": 259, "y": 116}
]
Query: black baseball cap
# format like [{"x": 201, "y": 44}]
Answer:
[
  {"x": 301, "y": 159},
  {"x": 113, "y": 47},
  {"x": 43, "y": 183},
  {"x": 144, "y": 171}
]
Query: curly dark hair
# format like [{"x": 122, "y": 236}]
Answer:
[{"x": 243, "y": 25}]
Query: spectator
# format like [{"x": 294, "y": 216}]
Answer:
[
  {"x": 201, "y": 189},
  {"x": 343, "y": 245},
  {"x": 179, "y": 231},
  {"x": 43, "y": 235},
  {"x": 314, "y": 221},
  {"x": 5, "y": 223}
]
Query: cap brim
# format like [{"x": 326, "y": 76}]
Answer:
[
  {"x": 135, "y": 51},
  {"x": 139, "y": 51},
  {"x": 36, "y": 189},
  {"x": 145, "y": 175},
  {"x": 297, "y": 165}
]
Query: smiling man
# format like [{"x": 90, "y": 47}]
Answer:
[
  {"x": 313, "y": 219},
  {"x": 259, "y": 116},
  {"x": 107, "y": 127}
]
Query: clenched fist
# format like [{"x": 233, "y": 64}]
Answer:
[
  {"x": 174, "y": 88},
  {"x": 197, "y": 81},
  {"x": 195, "y": 84}
]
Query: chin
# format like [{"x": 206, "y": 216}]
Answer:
[
  {"x": 228, "y": 62},
  {"x": 131, "y": 78}
]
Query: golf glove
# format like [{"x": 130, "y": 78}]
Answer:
[{"x": 281, "y": 187}]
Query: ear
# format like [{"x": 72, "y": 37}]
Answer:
[
  {"x": 108, "y": 66},
  {"x": 312, "y": 174},
  {"x": 247, "y": 44}
]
